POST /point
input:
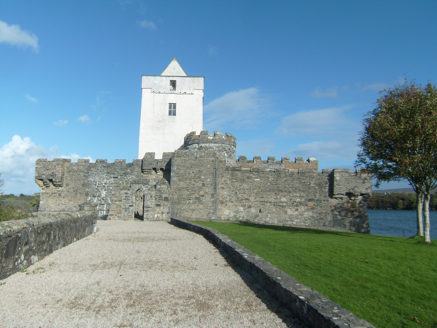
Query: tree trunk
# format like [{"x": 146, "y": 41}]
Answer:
[
  {"x": 426, "y": 212},
  {"x": 419, "y": 209}
]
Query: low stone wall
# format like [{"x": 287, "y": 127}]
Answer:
[
  {"x": 312, "y": 308},
  {"x": 24, "y": 242}
]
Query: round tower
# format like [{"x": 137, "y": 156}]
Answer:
[{"x": 221, "y": 144}]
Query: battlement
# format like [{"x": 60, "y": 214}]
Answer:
[
  {"x": 346, "y": 183},
  {"x": 272, "y": 164},
  {"x": 48, "y": 173},
  {"x": 149, "y": 162},
  {"x": 44, "y": 161},
  {"x": 203, "y": 138},
  {"x": 221, "y": 144}
]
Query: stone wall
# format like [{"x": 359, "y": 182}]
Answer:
[
  {"x": 275, "y": 197},
  {"x": 205, "y": 187},
  {"x": 24, "y": 242},
  {"x": 194, "y": 183},
  {"x": 116, "y": 188},
  {"x": 205, "y": 182},
  {"x": 348, "y": 194}
]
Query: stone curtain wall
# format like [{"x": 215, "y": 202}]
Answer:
[
  {"x": 205, "y": 186},
  {"x": 24, "y": 242},
  {"x": 205, "y": 182},
  {"x": 332, "y": 199},
  {"x": 275, "y": 197},
  {"x": 115, "y": 188}
]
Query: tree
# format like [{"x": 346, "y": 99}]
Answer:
[{"x": 399, "y": 142}]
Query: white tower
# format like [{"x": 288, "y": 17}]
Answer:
[{"x": 171, "y": 107}]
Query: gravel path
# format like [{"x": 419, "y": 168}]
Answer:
[{"x": 137, "y": 274}]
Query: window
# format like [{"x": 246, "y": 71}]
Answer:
[
  {"x": 172, "y": 85},
  {"x": 171, "y": 109}
]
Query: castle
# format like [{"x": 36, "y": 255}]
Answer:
[{"x": 198, "y": 177}]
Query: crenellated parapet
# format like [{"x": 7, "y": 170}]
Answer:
[
  {"x": 204, "y": 138},
  {"x": 50, "y": 173},
  {"x": 344, "y": 183},
  {"x": 218, "y": 142},
  {"x": 53, "y": 173},
  {"x": 149, "y": 162},
  {"x": 272, "y": 164}
]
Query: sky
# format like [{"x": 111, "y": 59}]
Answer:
[{"x": 286, "y": 78}]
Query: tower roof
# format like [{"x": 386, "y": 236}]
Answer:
[{"x": 174, "y": 69}]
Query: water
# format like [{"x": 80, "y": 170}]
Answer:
[{"x": 398, "y": 223}]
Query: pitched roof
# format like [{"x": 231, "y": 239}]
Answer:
[{"x": 174, "y": 69}]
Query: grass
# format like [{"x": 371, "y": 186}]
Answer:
[{"x": 388, "y": 281}]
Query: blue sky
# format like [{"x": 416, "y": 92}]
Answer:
[{"x": 286, "y": 78}]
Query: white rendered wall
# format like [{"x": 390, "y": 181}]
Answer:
[{"x": 160, "y": 132}]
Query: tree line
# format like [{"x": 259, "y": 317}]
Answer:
[{"x": 397, "y": 201}]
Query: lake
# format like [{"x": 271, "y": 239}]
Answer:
[{"x": 398, "y": 223}]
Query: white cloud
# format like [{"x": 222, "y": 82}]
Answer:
[
  {"x": 31, "y": 99},
  {"x": 17, "y": 164},
  {"x": 241, "y": 108},
  {"x": 374, "y": 87},
  {"x": 85, "y": 119},
  {"x": 13, "y": 34},
  {"x": 61, "y": 122},
  {"x": 345, "y": 149},
  {"x": 147, "y": 24},
  {"x": 212, "y": 50},
  {"x": 332, "y": 92},
  {"x": 324, "y": 123}
]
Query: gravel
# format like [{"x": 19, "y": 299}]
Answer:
[{"x": 137, "y": 274}]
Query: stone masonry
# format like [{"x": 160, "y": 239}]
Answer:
[{"x": 203, "y": 181}]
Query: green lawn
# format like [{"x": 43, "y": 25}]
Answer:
[{"x": 388, "y": 281}]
